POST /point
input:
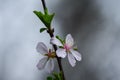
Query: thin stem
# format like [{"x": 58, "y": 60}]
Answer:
[
  {"x": 51, "y": 33},
  {"x": 44, "y": 4}
]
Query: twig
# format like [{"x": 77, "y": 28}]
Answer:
[{"x": 51, "y": 33}]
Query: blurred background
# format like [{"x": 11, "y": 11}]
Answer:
[{"x": 94, "y": 24}]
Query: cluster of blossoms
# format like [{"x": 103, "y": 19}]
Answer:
[
  {"x": 61, "y": 47},
  {"x": 65, "y": 48}
]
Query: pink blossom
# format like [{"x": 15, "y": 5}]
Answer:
[{"x": 67, "y": 49}]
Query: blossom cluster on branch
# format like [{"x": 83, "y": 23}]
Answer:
[{"x": 59, "y": 50}]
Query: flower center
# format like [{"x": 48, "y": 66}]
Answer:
[
  {"x": 50, "y": 54},
  {"x": 67, "y": 47}
]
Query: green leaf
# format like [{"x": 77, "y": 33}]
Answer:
[
  {"x": 39, "y": 15},
  {"x": 49, "y": 78},
  {"x": 58, "y": 76},
  {"x": 45, "y": 18},
  {"x": 62, "y": 41},
  {"x": 42, "y": 29},
  {"x": 75, "y": 48},
  {"x": 55, "y": 76}
]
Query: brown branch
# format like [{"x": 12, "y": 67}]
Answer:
[{"x": 51, "y": 33}]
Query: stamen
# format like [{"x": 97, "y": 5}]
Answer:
[{"x": 67, "y": 47}]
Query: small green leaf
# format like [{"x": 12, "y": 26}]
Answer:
[
  {"x": 45, "y": 18},
  {"x": 39, "y": 15},
  {"x": 42, "y": 29},
  {"x": 75, "y": 48},
  {"x": 62, "y": 41},
  {"x": 61, "y": 47},
  {"x": 49, "y": 78},
  {"x": 48, "y": 19},
  {"x": 57, "y": 76},
  {"x": 60, "y": 75}
]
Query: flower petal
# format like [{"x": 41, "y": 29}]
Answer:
[
  {"x": 50, "y": 65},
  {"x": 76, "y": 54},
  {"x": 41, "y": 48},
  {"x": 71, "y": 59},
  {"x": 61, "y": 53},
  {"x": 69, "y": 40},
  {"x": 42, "y": 63},
  {"x": 55, "y": 41}
]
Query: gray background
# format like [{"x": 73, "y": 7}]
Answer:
[{"x": 94, "y": 25}]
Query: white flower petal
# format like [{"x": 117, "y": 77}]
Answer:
[
  {"x": 50, "y": 65},
  {"x": 71, "y": 59},
  {"x": 42, "y": 63},
  {"x": 69, "y": 40},
  {"x": 55, "y": 41},
  {"x": 76, "y": 54},
  {"x": 61, "y": 53},
  {"x": 41, "y": 48}
]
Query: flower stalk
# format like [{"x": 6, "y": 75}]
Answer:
[
  {"x": 58, "y": 58},
  {"x": 51, "y": 34}
]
